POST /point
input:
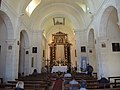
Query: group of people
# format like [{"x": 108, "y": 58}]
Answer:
[
  {"x": 20, "y": 84},
  {"x": 73, "y": 83}
]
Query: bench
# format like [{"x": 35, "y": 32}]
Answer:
[
  {"x": 1, "y": 80},
  {"x": 30, "y": 84}
]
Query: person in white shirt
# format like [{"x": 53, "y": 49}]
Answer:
[
  {"x": 83, "y": 85},
  {"x": 68, "y": 74},
  {"x": 67, "y": 77},
  {"x": 74, "y": 85}
]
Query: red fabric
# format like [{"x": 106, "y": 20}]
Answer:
[{"x": 58, "y": 85}]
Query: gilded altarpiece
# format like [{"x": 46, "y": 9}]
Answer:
[{"x": 60, "y": 39}]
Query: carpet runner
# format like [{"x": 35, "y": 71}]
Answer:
[{"x": 58, "y": 84}]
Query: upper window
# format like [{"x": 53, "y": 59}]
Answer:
[{"x": 32, "y": 5}]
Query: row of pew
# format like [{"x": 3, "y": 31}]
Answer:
[
  {"x": 45, "y": 82},
  {"x": 32, "y": 82},
  {"x": 93, "y": 82}
]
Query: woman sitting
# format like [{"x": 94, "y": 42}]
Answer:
[{"x": 20, "y": 85}]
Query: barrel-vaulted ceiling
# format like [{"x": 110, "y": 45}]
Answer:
[{"x": 74, "y": 13}]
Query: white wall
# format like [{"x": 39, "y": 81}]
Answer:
[
  {"x": 113, "y": 35},
  {"x": 3, "y": 37}
]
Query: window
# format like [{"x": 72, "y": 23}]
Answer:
[{"x": 32, "y": 5}]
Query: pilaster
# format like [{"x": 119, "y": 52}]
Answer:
[
  {"x": 10, "y": 72},
  {"x": 80, "y": 41},
  {"x": 37, "y": 42},
  {"x": 78, "y": 50}
]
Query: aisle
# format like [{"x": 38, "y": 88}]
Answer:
[{"x": 58, "y": 84}]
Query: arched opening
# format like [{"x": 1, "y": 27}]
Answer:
[
  {"x": 110, "y": 42},
  {"x": 6, "y": 46},
  {"x": 91, "y": 50},
  {"x": 24, "y": 62}
]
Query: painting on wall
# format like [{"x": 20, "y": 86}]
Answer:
[
  {"x": 83, "y": 49},
  {"x": 34, "y": 49},
  {"x": 59, "y": 21},
  {"x": 116, "y": 47}
]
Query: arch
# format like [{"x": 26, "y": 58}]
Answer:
[
  {"x": 75, "y": 15},
  {"x": 109, "y": 33},
  {"x": 6, "y": 35},
  {"x": 8, "y": 23},
  {"x": 24, "y": 62},
  {"x": 91, "y": 49},
  {"x": 104, "y": 20}
]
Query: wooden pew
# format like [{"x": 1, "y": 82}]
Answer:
[
  {"x": 29, "y": 85},
  {"x": 1, "y": 80},
  {"x": 113, "y": 77},
  {"x": 114, "y": 81}
]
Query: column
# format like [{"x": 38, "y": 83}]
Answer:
[
  {"x": 36, "y": 42},
  {"x": 78, "y": 50},
  {"x": 10, "y": 73},
  {"x": 102, "y": 55},
  {"x": 81, "y": 40},
  {"x": 39, "y": 53}
]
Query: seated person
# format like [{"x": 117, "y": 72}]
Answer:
[
  {"x": 44, "y": 70},
  {"x": 35, "y": 72},
  {"x": 19, "y": 85},
  {"x": 74, "y": 85},
  {"x": 67, "y": 77},
  {"x": 89, "y": 69},
  {"x": 68, "y": 74},
  {"x": 83, "y": 85},
  {"x": 104, "y": 83}
]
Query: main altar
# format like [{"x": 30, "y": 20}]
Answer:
[
  {"x": 60, "y": 50},
  {"x": 59, "y": 69}
]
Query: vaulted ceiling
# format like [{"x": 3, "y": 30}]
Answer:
[{"x": 77, "y": 14}]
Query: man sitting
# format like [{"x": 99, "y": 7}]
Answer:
[
  {"x": 68, "y": 74},
  {"x": 67, "y": 77},
  {"x": 89, "y": 69},
  {"x": 74, "y": 85},
  {"x": 83, "y": 85}
]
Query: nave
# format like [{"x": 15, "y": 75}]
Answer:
[
  {"x": 55, "y": 81},
  {"x": 53, "y": 33}
]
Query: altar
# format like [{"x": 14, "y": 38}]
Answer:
[{"x": 59, "y": 68}]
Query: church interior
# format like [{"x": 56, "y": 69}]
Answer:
[{"x": 56, "y": 36}]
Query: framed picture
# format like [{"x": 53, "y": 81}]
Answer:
[
  {"x": 116, "y": 47},
  {"x": 83, "y": 49},
  {"x": 59, "y": 21},
  {"x": 34, "y": 49}
]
